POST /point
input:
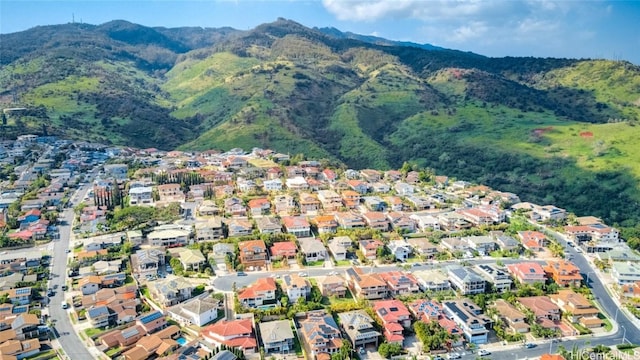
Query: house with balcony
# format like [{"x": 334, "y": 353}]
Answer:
[
  {"x": 277, "y": 337},
  {"x": 349, "y": 220},
  {"x": 394, "y": 202},
  {"x": 474, "y": 324},
  {"x": 234, "y": 207},
  {"x": 191, "y": 259},
  {"x": 513, "y": 318},
  {"x": 198, "y": 311},
  {"x": 533, "y": 240},
  {"x": 484, "y": 245},
  {"x": 625, "y": 272},
  {"x": 361, "y": 187},
  {"x": 339, "y": 247},
  {"x": 465, "y": 281},
  {"x": 284, "y": 204},
  {"x": 283, "y": 250},
  {"x": 370, "y": 247},
  {"x": 577, "y": 308},
  {"x": 297, "y": 183},
  {"x": 401, "y": 222},
  {"x": 351, "y": 199},
  {"x": 330, "y": 200},
  {"x": 309, "y": 204},
  {"x": 208, "y": 208},
  {"x": 326, "y": 224},
  {"x": 593, "y": 232},
  {"x": 261, "y": 292},
  {"x": 149, "y": 261},
  {"x": 321, "y": 334},
  {"x": 366, "y": 285},
  {"x": 547, "y": 314},
  {"x": 170, "y": 291},
  {"x": 268, "y": 225},
  {"x": 423, "y": 247},
  {"x": 312, "y": 249},
  {"x": 496, "y": 276},
  {"x": 400, "y": 249},
  {"x": 359, "y": 328},
  {"x": 332, "y": 285},
  {"x": 259, "y": 206},
  {"x": 170, "y": 193},
  {"x": 453, "y": 221},
  {"x": 403, "y": 189},
  {"x": 296, "y": 287},
  {"x": 297, "y": 226},
  {"x": 419, "y": 202},
  {"x": 563, "y": 272},
  {"x": 400, "y": 283},
  {"x": 374, "y": 203},
  {"x": 169, "y": 236},
  {"x": 141, "y": 196},
  {"x": 395, "y": 319},
  {"x": 253, "y": 253},
  {"x": 239, "y": 227},
  {"x": 376, "y": 220},
  {"x": 432, "y": 280},
  {"x": 476, "y": 216},
  {"x": 527, "y": 272},
  {"x": 272, "y": 185},
  {"x": 209, "y": 229},
  {"x": 232, "y": 333},
  {"x": 505, "y": 242}
]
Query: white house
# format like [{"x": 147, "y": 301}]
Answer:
[
  {"x": 400, "y": 249},
  {"x": 272, "y": 185},
  {"x": 142, "y": 195},
  {"x": 198, "y": 311}
]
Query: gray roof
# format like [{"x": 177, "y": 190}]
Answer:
[
  {"x": 97, "y": 311},
  {"x": 275, "y": 331},
  {"x": 224, "y": 355},
  {"x": 311, "y": 245}
]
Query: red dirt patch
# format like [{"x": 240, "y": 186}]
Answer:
[{"x": 586, "y": 134}]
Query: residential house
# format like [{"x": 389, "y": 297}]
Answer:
[
  {"x": 465, "y": 280},
  {"x": 239, "y": 227},
  {"x": 141, "y": 196},
  {"x": 423, "y": 247},
  {"x": 630, "y": 290},
  {"x": 349, "y": 220},
  {"x": 232, "y": 333},
  {"x": 297, "y": 183},
  {"x": 122, "y": 338},
  {"x": 403, "y": 189},
  {"x": 549, "y": 212},
  {"x": 197, "y": 311},
  {"x": 366, "y": 286},
  {"x": 171, "y": 291},
  {"x": 135, "y": 237},
  {"x": 210, "y": 229},
  {"x": 533, "y": 240},
  {"x": 477, "y": 216},
  {"x": 332, "y": 285},
  {"x": 89, "y": 285},
  {"x": 401, "y": 222},
  {"x": 297, "y": 226},
  {"x": 170, "y": 193},
  {"x": 233, "y": 206},
  {"x": 376, "y": 220},
  {"x": 374, "y": 203},
  {"x": 505, "y": 242},
  {"x": 253, "y": 253},
  {"x": 577, "y": 308},
  {"x": 296, "y": 287},
  {"x": 351, "y": 199},
  {"x": 149, "y": 260},
  {"x": 326, "y": 224},
  {"x": 496, "y": 276},
  {"x": 19, "y": 296},
  {"x": 160, "y": 344},
  {"x": 339, "y": 246},
  {"x": 329, "y": 175},
  {"x": 259, "y": 206},
  {"x": 510, "y": 316},
  {"x": 380, "y": 187},
  {"x": 19, "y": 349},
  {"x": 527, "y": 272},
  {"x": 419, "y": 202},
  {"x": 312, "y": 249},
  {"x": 563, "y": 272},
  {"x": 208, "y": 208},
  {"x": 330, "y": 200},
  {"x": 453, "y": 221},
  {"x": 593, "y": 232},
  {"x": 474, "y": 324},
  {"x": 261, "y": 292},
  {"x": 433, "y": 280},
  {"x": 277, "y": 337},
  {"x": 484, "y": 245},
  {"x": 272, "y": 185},
  {"x": 625, "y": 272},
  {"x": 191, "y": 259},
  {"x": 283, "y": 250},
  {"x": 309, "y": 204},
  {"x": 370, "y": 247},
  {"x": 400, "y": 249},
  {"x": 321, "y": 334},
  {"x": 268, "y": 225},
  {"x": 98, "y": 316},
  {"x": 284, "y": 204},
  {"x": 370, "y": 175},
  {"x": 400, "y": 283},
  {"x": 429, "y": 311},
  {"x": 547, "y": 314},
  {"x": 395, "y": 319},
  {"x": 169, "y": 236},
  {"x": 152, "y": 321},
  {"x": 359, "y": 328},
  {"x": 358, "y": 186}
]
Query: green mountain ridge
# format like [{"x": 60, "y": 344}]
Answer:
[{"x": 560, "y": 131}]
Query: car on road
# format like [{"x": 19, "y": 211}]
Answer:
[
  {"x": 417, "y": 265},
  {"x": 65, "y": 305},
  {"x": 437, "y": 357},
  {"x": 529, "y": 345},
  {"x": 65, "y": 288},
  {"x": 50, "y": 292},
  {"x": 484, "y": 352},
  {"x": 333, "y": 273},
  {"x": 302, "y": 274},
  {"x": 68, "y": 251},
  {"x": 454, "y": 356},
  {"x": 241, "y": 273}
]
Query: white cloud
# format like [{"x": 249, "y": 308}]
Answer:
[{"x": 464, "y": 33}]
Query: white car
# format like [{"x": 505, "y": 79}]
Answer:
[
  {"x": 454, "y": 356},
  {"x": 302, "y": 274},
  {"x": 65, "y": 305},
  {"x": 484, "y": 352}
]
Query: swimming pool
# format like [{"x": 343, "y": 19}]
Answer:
[
  {"x": 181, "y": 341},
  {"x": 266, "y": 307}
]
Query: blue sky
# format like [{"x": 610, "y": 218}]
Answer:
[{"x": 542, "y": 28}]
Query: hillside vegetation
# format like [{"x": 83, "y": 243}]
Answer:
[{"x": 558, "y": 131}]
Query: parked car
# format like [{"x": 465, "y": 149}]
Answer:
[
  {"x": 529, "y": 345},
  {"x": 65, "y": 288},
  {"x": 484, "y": 352},
  {"x": 241, "y": 273},
  {"x": 302, "y": 274},
  {"x": 454, "y": 356},
  {"x": 65, "y": 305}
]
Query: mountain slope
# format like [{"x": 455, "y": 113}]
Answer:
[{"x": 557, "y": 131}]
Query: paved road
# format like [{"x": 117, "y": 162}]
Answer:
[{"x": 72, "y": 345}]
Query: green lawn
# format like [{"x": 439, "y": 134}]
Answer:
[
  {"x": 343, "y": 263},
  {"x": 91, "y": 332},
  {"x": 329, "y": 300}
]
